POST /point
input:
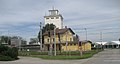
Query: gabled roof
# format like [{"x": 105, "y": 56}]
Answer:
[
  {"x": 109, "y": 43},
  {"x": 86, "y": 41},
  {"x": 113, "y": 43},
  {"x": 117, "y": 42},
  {"x": 103, "y": 43},
  {"x": 59, "y": 31}
]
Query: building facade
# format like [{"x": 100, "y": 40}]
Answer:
[
  {"x": 110, "y": 44},
  {"x": 64, "y": 41},
  {"x": 16, "y": 42},
  {"x": 33, "y": 41},
  {"x": 54, "y": 18},
  {"x": 62, "y": 36},
  {"x": 85, "y": 46}
]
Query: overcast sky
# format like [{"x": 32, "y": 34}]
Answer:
[{"x": 22, "y": 17}]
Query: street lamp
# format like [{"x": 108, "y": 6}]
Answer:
[
  {"x": 86, "y": 33},
  {"x": 59, "y": 42},
  {"x": 119, "y": 44},
  {"x": 101, "y": 40},
  {"x": 41, "y": 36},
  {"x": 55, "y": 41},
  {"x": 49, "y": 35}
]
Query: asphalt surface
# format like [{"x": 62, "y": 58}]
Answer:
[{"x": 109, "y": 56}]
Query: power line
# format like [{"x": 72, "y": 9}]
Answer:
[
  {"x": 86, "y": 33},
  {"x": 95, "y": 33},
  {"x": 41, "y": 36},
  {"x": 95, "y": 28},
  {"x": 101, "y": 35}
]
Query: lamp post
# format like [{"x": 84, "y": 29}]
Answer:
[
  {"x": 59, "y": 42},
  {"x": 101, "y": 40},
  {"x": 80, "y": 46},
  {"x": 50, "y": 47},
  {"x": 119, "y": 44},
  {"x": 41, "y": 36},
  {"x": 55, "y": 41},
  {"x": 86, "y": 33}
]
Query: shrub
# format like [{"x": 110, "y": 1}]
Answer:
[
  {"x": 3, "y": 49},
  {"x": 12, "y": 52},
  {"x": 27, "y": 53},
  {"x": 5, "y": 58},
  {"x": 8, "y": 52}
]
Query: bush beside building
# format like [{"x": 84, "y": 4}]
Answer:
[{"x": 8, "y": 53}]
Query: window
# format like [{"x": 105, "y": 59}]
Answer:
[
  {"x": 52, "y": 17},
  {"x": 63, "y": 44},
  {"x": 47, "y": 40},
  {"x": 53, "y": 39},
  {"x": 57, "y": 17},
  {"x": 74, "y": 44},
  {"x": 47, "y": 18},
  {"x": 70, "y": 39},
  {"x": 69, "y": 44}
]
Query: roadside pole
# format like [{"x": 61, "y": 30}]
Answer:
[
  {"x": 80, "y": 46},
  {"x": 81, "y": 52},
  {"x": 66, "y": 44},
  {"x": 55, "y": 41},
  {"x": 41, "y": 36},
  {"x": 86, "y": 33},
  {"x": 50, "y": 53}
]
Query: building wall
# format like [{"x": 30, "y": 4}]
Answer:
[
  {"x": 16, "y": 42},
  {"x": 70, "y": 47},
  {"x": 63, "y": 38},
  {"x": 75, "y": 47},
  {"x": 55, "y": 18},
  {"x": 86, "y": 47},
  {"x": 57, "y": 21},
  {"x": 67, "y": 36}
]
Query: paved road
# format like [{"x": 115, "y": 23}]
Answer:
[
  {"x": 111, "y": 56},
  {"x": 30, "y": 60}
]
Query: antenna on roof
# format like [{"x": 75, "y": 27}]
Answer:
[
  {"x": 53, "y": 8},
  {"x": 45, "y": 13}
]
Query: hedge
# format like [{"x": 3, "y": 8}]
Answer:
[{"x": 8, "y": 53}]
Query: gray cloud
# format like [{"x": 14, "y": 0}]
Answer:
[{"x": 78, "y": 14}]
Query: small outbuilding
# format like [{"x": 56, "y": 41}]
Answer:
[{"x": 111, "y": 44}]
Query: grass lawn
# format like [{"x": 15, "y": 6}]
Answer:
[
  {"x": 63, "y": 57},
  {"x": 67, "y": 57}
]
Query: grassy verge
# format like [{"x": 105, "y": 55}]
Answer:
[
  {"x": 72, "y": 56},
  {"x": 26, "y": 53},
  {"x": 8, "y": 53},
  {"x": 6, "y": 58},
  {"x": 63, "y": 57},
  {"x": 68, "y": 57}
]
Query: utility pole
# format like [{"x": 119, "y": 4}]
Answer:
[
  {"x": 55, "y": 41},
  {"x": 119, "y": 44},
  {"x": 8, "y": 38},
  {"x": 86, "y": 33},
  {"x": 50, "y": 53},
  {"x": 101, "y": 39},
  {"x": 80, "y": 46},
  {"x": 66, "y": 41},
  {"x": 101, "y": 36},
  {"x": 41, "y": 36},
  {"x": 81, "y": 49},
  {"x": 66, "y": 44}
]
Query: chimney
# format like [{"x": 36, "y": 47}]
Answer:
[
  {"x": 65, "y": 27},
  {"x": 57, "y": 28}
]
